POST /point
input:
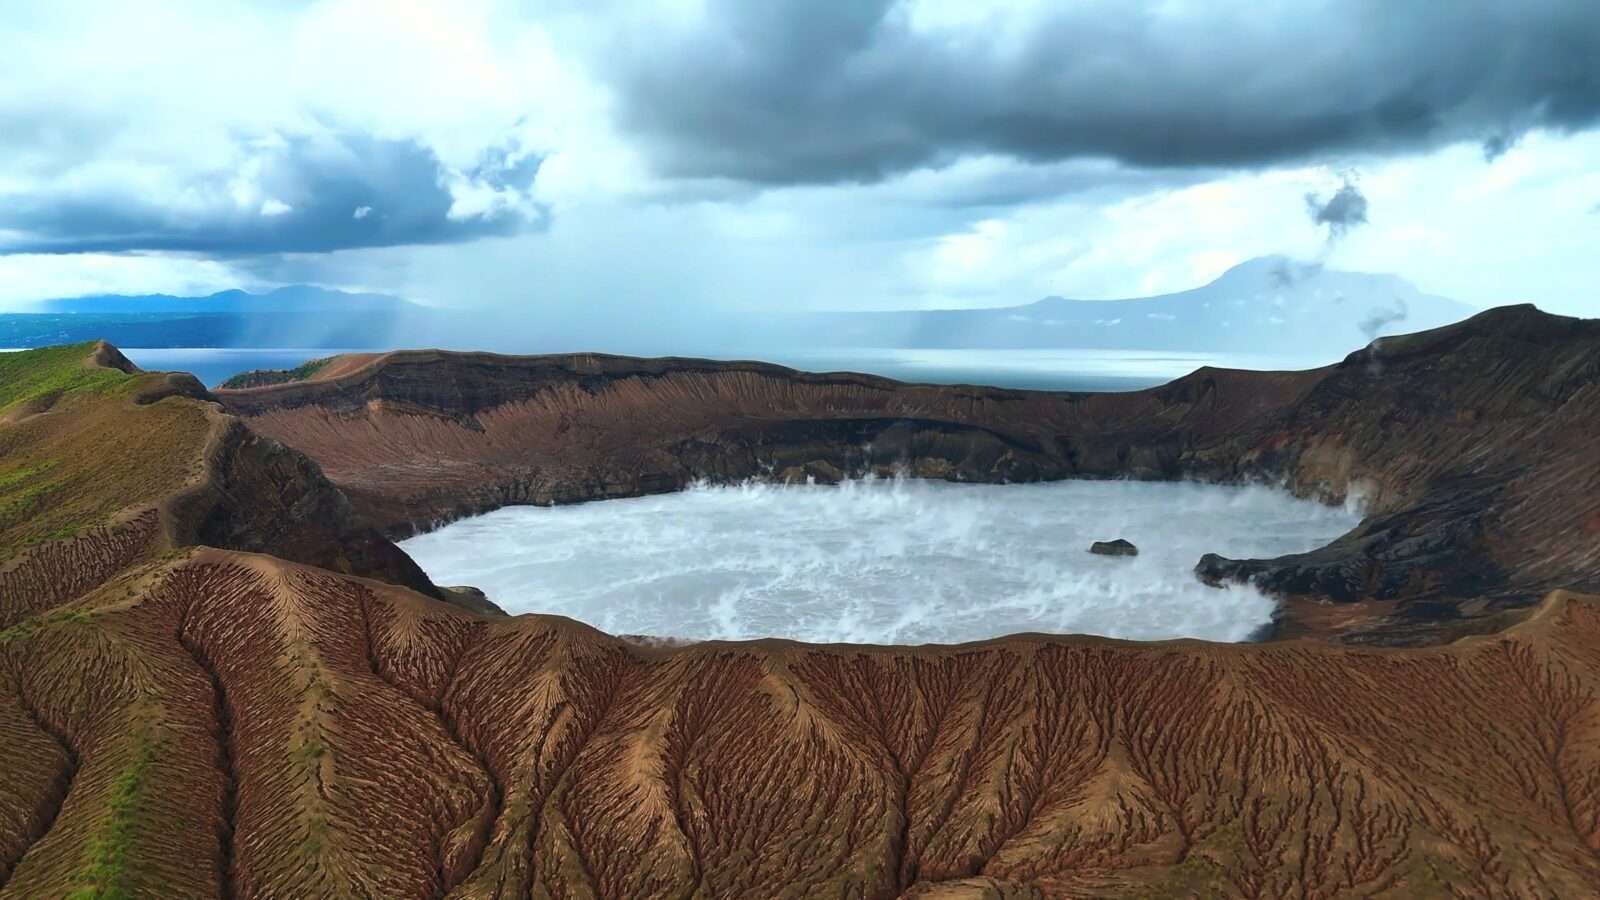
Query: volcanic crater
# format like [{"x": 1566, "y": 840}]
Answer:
[{"x": 220, "y": 677}]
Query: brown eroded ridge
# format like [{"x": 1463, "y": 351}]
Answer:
[
  {"x": 1472, "y": 446},
  {"x": 234, "y": 725},
  {"x": 218, "y": 678}
]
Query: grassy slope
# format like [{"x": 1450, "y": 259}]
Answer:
[
  {"x": 54, "y": 371},
  {"x": 80, "y": 443},
  {"x": 92, "y": 453}
]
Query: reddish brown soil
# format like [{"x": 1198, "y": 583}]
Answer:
[{"x": 316, "y": 735}]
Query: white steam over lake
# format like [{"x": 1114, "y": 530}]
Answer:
[{"x": 902, "y": 562}]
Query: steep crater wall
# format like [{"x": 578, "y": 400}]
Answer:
[{"x": 1468, "y": 443}]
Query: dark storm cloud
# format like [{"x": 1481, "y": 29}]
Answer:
[
  {"x": 824, "y": 91},
  {"x": 1344, "y": 210},
  {"x": 342, "y": 191},
  {"x": 1497, "y": 145},
  {"x": 1013, "y": 185}
]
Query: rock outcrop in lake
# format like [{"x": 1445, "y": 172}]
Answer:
[{"x": 1118, "y": 547}]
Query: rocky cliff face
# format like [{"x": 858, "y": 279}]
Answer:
[
  {"x": 421, "y": 436},
  {"x": 1473, "y": 444},
  {"x": 1467, "y": 443}
]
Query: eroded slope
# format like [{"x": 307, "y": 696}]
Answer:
[{"x": 232, "y": 725}]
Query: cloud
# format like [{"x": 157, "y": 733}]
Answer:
[
  {"x": 25, "y": 279},
  {"x": 284, "y": 193},
  {"x": 734, "y": 181},
  {"x": 508, "y": 166},
  {"x": 1344, "y": 210},
  {"x": 987, "y": 182},
  {"x": 828, "y": 91}
]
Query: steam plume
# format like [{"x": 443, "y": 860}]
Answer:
[
  {"x": 1378, "y": 318},
  {"x": 1346, "y": 209}
]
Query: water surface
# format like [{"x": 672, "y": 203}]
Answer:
[
  {"x": 214, "y": 365},
  {"x": 1041, "y": 370},
  {"x": 901, "y": 562}
]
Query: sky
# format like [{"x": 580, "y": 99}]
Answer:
[{"x": 592, "y": 157}]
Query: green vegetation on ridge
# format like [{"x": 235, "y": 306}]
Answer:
[
  {"x": 53, "y": 371},
  {"x": 29, "y": 627},
  {"x": 264, "y": 377},
  {"x": 107, "y": 870},
  {"x": 93, "y": 454}
]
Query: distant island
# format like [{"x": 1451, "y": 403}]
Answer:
[{"x": 1270, "y": 304}]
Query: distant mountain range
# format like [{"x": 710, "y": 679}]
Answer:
[
  {"x": 299, "y": 299},
  {"x": 1270, "y": 305},
  {"x": 295, "y": 316}
]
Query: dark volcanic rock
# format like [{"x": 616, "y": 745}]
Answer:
[
  {"x": 1118, "y": 547},
  {"x": 263, "y": 497},
  {"x": 1471, "y": 446},
  {"x": 1437, "y": 546}
]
